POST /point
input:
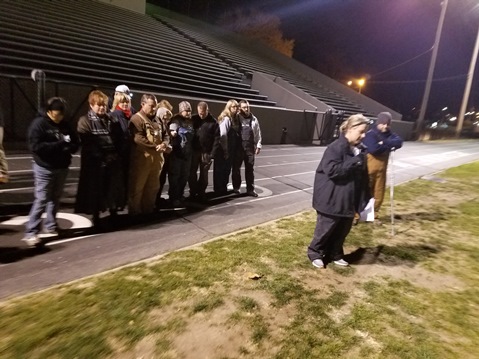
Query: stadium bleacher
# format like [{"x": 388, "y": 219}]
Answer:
[
  {"x": 97, "y": 43},
  {"x": 86, "y": 44},
  {"x": 247, "y": 61}
]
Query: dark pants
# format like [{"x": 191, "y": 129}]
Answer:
[
  {"x": 221, "y": 174},
  {"x": 178, "y": 173},
  {"x": 163, "y": 175},
  {"x": 246, "y": 156},
  {"x": 329, "y": 236},
  {"x": 198, "y": 184}
]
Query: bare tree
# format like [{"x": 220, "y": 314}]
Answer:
[{"x": 257, "y": 25}]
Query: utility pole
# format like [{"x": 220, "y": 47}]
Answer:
[
  {"x": 425, "y": 99},
  {"x": 467, "y": 89}
]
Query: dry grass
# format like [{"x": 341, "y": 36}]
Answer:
[{"x": 414, "y": 295}]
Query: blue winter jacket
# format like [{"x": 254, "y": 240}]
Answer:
[{"x": 381, "y": 143}]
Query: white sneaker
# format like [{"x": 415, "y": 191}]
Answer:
[
  {"x": 32, "y": 240},
  {"x": 51, "y": 232},
  {"x": 318, "y": 263},
  {"x": 341, "y": 262}
]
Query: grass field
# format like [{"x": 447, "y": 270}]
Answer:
[{"x": 254, "y": 294}]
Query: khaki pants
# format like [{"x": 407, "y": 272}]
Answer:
[
  {"x": 377, "y": 169},
  {"x": 143, "y": 184}
]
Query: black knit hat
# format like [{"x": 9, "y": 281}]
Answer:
[{"x": 56, "y": 104}]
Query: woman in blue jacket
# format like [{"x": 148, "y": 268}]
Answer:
[{"x": 340, "y": 190}]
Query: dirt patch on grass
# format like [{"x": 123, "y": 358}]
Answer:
[{"x": 211, "y": 335}]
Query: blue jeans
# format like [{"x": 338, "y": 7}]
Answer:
[{"x": 49, "y": 185}]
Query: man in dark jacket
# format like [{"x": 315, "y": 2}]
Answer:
[
  {"x": 340, "y": 190},
  {"x": 380, "y": 141},
  {"x": 205, "y": 145},
  {"x": 52, "y": 142}
]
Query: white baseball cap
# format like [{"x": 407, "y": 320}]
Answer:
[{"x": 124, "y": 89}]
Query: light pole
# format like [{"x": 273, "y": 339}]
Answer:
[
  {"x": 467, "y": 89},
  {"x": 427, "y": 90}
]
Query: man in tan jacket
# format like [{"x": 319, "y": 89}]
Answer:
[
  {"x": 380, "y": 141},
  {"x": 146, "y": 158}
]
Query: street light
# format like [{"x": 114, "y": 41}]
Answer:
[{"x": 361, "y": 83}]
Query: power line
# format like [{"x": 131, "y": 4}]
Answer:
[
  {"x": 450, "y": 78},
  {"x": 403, "y": 63}
]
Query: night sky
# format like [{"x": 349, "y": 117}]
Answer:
[{"x": 347, "y": 39}]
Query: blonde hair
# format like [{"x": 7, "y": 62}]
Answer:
[
  {"x": 227, "y": 110},
  {"x": 162, "y": 111},
  {"x": 166, "y": 104},
  {"x": 353, "y": 121},
  {"x": 119, "y": 97}
]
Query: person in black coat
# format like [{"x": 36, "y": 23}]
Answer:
[
  {"x": 101, "y": 185},
  {"x": 52, "y": 142},
  {"x": 120, "y": 115},
  {"x": 340, "y": 190},
  {"x": 205, "y": 145}
]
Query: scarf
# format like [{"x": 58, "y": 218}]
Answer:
[{"x": 127, "y": 112}]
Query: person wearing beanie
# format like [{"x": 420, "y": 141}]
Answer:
[
  {"x": 181, "y": 140},
  {"x": 121, "y": 92},
  {"x": 380, "y": 141},
  {"x": 52, "y": 141}
]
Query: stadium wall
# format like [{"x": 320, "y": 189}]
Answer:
[{"x": 19, "y": 103}]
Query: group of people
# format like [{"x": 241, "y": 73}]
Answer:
[
  {"x": 126, "y": 155},
  {"x": 351, "y": 172}
]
